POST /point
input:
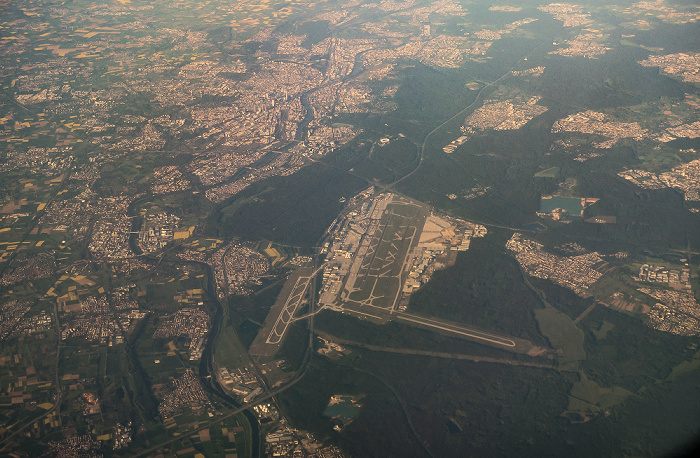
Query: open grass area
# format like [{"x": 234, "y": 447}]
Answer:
[
  {"x": 685, "y": 367},
  {"x": 279, "y": 255},
  {"x": 590, "y": 392},
  {"x": 601, "y": 332},
  {"x": 161, "y": 368},
  {"x": 89, "y": 364},
  {"x": 551, "y": 172},
  {"x": 608, "y": 285},
  {"x": 563, "y": 335},
  {"x": 632, "y": 354},
  {"x": 229, "y": 351},
  {"x": 363, "y": 293}
]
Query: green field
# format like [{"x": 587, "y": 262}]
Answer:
[
  {"x": 551, "y": 172},
  {"x": 590, "y": 392},
  {"x": 563, "y": 335},
  {"x": 114, "y": 111},
  {"x": 229, "y": 351},
  {"x": 685, "y": 367}
]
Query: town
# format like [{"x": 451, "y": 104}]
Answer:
[
  {"x": 190, "y": 322},
  {"x": 159, "y": 229},
  {"x": 651, "y": 273},
  {"x": 576, "y": 273},
  {"x": 586, "y": 45},
  {"x": 498, "y": 115},
  {"x": 157, "y": 299},
  {"x": 185, "y": 392},
  {"x": 685, "y": 177},
  {"x": 685, "y": 65},
  {"x": 676, "y": 312},
  {"x": 592, "y": 122},
  {"x": 238, "y": 267}
]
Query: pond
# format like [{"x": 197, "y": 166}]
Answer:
[
  {"x": 573, "y": 205},
  {"x": 344, "y": 408}
]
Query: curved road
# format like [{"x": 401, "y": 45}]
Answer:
[
  {"x": 206, "y": 363},
  {"x": 461, "y": 113}
]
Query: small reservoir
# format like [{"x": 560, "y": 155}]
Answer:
[
  {"x": 343, "y": 408},
  {"x": 572, "y": 206}
]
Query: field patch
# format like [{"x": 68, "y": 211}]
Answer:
[
  {"x": 563, "y": 335},
  {"x": 587, "y": 396}
]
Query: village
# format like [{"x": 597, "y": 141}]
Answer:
[
  {"x": 133, "y": 134},
  {"x": 497, "y": 115},
  {"x": 237, "y": 267},
  {"x": 576, "y": 273},
  {"x": 685, "y": 177}
]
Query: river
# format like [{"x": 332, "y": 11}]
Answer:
[{"x": 206, "y": 365}]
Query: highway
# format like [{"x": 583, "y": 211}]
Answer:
[{"x": 242, "y": 408}]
